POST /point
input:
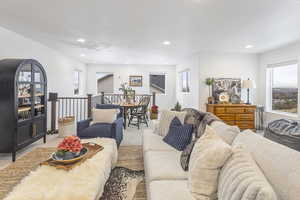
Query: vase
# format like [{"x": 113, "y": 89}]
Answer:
[{"x": 210, "y": 100}]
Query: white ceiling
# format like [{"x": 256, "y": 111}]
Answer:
[{"x": 132, "y": 31}]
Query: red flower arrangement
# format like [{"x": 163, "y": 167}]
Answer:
[
  {"x": 154, "y": 109},
  {"x": 71, "y": 144}
]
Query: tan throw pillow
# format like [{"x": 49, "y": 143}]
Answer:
[
  {"x": 208, "y": 156},
  {"x": 165, "y": 121},
  {"x": 241, "y": 178},
  {"x": 226, "y": 132},
  {"x": 104, "y": 115}
]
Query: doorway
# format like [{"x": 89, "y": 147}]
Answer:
[{"x": 105, "y": 82}]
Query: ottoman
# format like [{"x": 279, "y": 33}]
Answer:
[
  {"x": 285, "y": 132},
  {"x": 84, "y": 182}
]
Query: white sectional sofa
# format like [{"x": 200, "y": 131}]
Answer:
[{"x": 166, "y": 180}]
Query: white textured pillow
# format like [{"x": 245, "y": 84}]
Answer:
[
  {"x": 166, "y": 119},
  {"x": 104, "y": 115},
  {"x": 208, "y": 156},
  {"x": 242, "y": 179},
  {"x": 226, "y": 132}
]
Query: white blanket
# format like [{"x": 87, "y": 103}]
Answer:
[{"x": 84, "y": 182}]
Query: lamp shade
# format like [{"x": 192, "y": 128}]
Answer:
[{"x": 248, "y": 84}]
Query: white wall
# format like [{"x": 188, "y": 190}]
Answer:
[
  {"x": 226, "y": 65},
  {"x": 59, "y": 68},
  {"x": 122, "y": 73},
  {"x": 191, "y": 99},
  {"x": 280, "y": 55},
  {"x": 216, "y": 65}
]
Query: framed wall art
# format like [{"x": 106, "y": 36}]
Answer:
[
  {"x": 136, "y": 81},
  {"x": 230, "y": 87}
]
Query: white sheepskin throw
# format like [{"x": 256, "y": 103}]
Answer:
[{"x": 84, "y": 182}]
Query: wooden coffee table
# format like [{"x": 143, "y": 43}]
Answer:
[{"x": 84, "y": 182}]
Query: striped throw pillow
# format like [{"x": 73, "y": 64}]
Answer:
[{"x": 179, "y": 135}]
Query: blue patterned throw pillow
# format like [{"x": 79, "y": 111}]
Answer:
[{"x": 179, "y": 135}]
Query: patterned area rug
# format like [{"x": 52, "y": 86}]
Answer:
[{"x": 130, "y": 157}]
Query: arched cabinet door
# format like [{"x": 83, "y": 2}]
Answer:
[{"x": 24, "y": 92}]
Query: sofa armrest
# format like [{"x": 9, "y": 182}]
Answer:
[
  {"x": 81, "y": 125},
  {"x": 155, "y": 125},
  {"x": 117, "y": 130}
]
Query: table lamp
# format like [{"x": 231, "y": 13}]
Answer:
[{"x": 248, "y": 84}]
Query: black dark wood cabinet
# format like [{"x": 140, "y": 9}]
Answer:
[{"x": 23, "y": 104}]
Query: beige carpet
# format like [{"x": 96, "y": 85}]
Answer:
[{"x": 129, "y": 156}]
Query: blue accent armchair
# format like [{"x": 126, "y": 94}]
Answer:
[{"x": 114, "y": 130}]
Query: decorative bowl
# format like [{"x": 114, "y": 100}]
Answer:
[{"x": 69, "y": 157}]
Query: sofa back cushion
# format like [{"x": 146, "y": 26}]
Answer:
[
  {"x": 241, "y": 178},
  {"x": 209, "y": 154},
  {"x": 166, "y": 119},
  {"x": 226, "y": 132},
  {"x": 280, "y": 164}
]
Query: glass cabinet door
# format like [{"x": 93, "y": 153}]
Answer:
[
  {"x": 24, "y": 90},
  {"x": 38, "y": 75},
  {"x": 25, "y": 74},
  {"x": 39, "y": 96}
]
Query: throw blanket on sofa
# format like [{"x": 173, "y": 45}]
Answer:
[{"x": 199, "y": 120}]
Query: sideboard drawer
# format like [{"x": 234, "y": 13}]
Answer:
[
  {"x": 245, "y": 125},
  {"x": 231, "y": 123},
  {"x": 249, "y": 110},
  {"x": 226, "y": 117},
  {"x": 235, "y": 110},
  {"x": 219, "y": 110},
  {"x": 244, "y": 117}
]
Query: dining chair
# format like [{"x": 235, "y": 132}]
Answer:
[{"x": 140, "y": 113}]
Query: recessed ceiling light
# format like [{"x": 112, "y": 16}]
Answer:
[
  {"x": 249, "y": 46},
  {"x": 166, "y": 42},
  {"x": 82, "y": 55},
  {"x": 81, "y": 40}
]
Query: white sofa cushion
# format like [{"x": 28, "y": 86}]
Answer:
[
  {"x": 279, "y": 164},
  {"x": 169, "y": 190},
  {"x": 163, "y": 165},
  {"x": 226, "y": 132},
  {"x": 208, "y": 156},
  {"x": 166, "y": 118},
  {"x": 153, "y": 142},
  {"x": 241, "y": 178}
]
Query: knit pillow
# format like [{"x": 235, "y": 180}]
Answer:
[
  {"x": 208, "y": 156},
  {"x": 179, "y": 135},
  {"x": 241, "y": 178}
]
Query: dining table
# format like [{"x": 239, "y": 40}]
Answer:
[{"x": 126, "y": 107}]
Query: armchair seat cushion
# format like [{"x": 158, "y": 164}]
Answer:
[{"x": 97, "y": 130}]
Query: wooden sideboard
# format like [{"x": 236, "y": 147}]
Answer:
[{"x": 241, "y": 115}]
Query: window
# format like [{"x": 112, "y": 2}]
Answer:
[
  {"x": 158, "y": 83},
  {"x": 185, "y": 77},
  {"x": 77, "y": 82},
  {"x": 282, "y": 83}
]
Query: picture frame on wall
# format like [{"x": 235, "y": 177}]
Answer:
[
  {"x": 227, "y": 87},
  {"x": 135, "y": 81}
]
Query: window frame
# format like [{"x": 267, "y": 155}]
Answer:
[
  {"x": 79, "y": 82},
  {"x": 159, "y": 73},
  {"x": 269, "y": 87},
  {"x": 188, "y": 71}
]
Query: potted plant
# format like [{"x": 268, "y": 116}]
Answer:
[
  {"x": 209, "y": 82},
  {"x": 154, "y": 112},
  {"x": 177, "y": 107}
]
